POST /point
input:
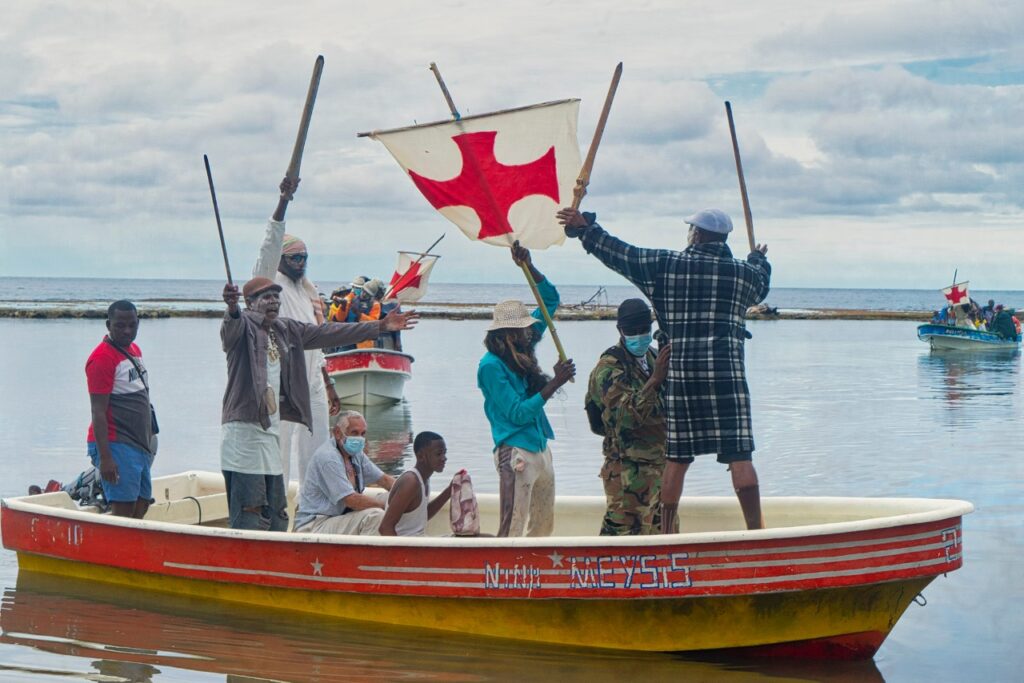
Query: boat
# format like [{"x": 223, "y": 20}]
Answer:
[
  {"x": 951, "y": 338},
  {"x": 369, "y": 377},
  {"x": 828, "y": 579}
]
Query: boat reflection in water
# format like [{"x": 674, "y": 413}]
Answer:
[
  {"x": 141, "y": 636},
  {"x": 388, "y": 435},
  {"x": 960, "y": 378}
]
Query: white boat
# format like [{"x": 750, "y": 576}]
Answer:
[
  {"x": 950, "y": 338},
  {"x": 369, "y": 377}
]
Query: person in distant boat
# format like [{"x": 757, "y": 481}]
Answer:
[
  {"x": 962, "y": 315},
  {"x": 624, "y": 406},
  {"x": 283, "y": 258},
  {"x": 1002, "y": 323},
  {"x": 121, "y": 439},
  {"x": 267, "y": 383},
  {"x": 333, "y": 498},
  {"x": 700, "y": 296},
  {"x": 409, "y": 506},
  {"x": 367, "y": 307},
  {"x": 515, "y": 391},
  {"x": 989, "y": 311}
]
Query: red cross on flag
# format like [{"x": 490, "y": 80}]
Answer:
[
  {"x": 409, "y": 283},
  {"x": 499, "y": 177},
  {"x": 957, "y": 294}
]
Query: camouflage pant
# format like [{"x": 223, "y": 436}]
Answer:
[{"x": 632, "y": 489}]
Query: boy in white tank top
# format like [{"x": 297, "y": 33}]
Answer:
[{"x": 408, "y": 509}]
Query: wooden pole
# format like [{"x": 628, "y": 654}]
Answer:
[
  {"x": 419, "y": 260},
  {"x": 444, "y": 91},
  {"x": 216, "y": 213},
  {"x": 588, "y": 165},
  {"x": 526, "y": 269},
  {"x": 307, "y": 115},
  {"x": 739, "y": 173}
]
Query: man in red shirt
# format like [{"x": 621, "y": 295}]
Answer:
[{"x": 120, "y": 437}]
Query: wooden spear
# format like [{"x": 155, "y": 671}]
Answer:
[
  {"x": 584, "y": 177},
  {"x": 307, "y": 115},
  {"x": 216, "y": 213},
  {"x": 743, "y": 183},
  {"x": 526, "y": 269}
]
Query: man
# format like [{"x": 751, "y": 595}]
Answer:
[
  {"x": 332, "y": 498},
  {"x": 408, "y": 510},
  {"x": 367, "y": 307},
  {"x": 1002, "y": 323},
  {"x": 700, "y": 296},
  {"x": 624, "y": 396},
  {"x": 283, "y": 259},
  {"x": 988, "y": 311},
  {"x": 515, "y": 391},
  {"x": 267, "y": 384},
  {"x": 121, "y": 435}
]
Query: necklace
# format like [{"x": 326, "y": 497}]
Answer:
[{"x": 273, "y": 352}]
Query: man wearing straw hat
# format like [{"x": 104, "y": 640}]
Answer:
[
  {"x": 283, "y": 259},
  {"x": 515, "y": 391},
  {"x": 700, "y": 297}
]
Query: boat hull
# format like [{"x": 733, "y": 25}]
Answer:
[
  {"x": 369, "y": 377},
  {"x": 948, "y": 338},
  {"x": 831, "y": 590}
]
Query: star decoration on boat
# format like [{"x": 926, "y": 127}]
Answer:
[
  {"x": 556, "y": 559},
  {"x": 318, "y": 567}
]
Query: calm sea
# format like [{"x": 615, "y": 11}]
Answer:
[
  {"x": 205, "y": 294},
  {"x": 843, "y": 408}
]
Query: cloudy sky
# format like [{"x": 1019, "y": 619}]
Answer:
[{"x": 882, "y": 140}]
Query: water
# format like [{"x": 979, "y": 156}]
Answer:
[
  {"x": 840, "y": 408},
  {"x": 204, "y": 294}
]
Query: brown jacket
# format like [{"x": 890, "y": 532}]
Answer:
[{"x": 245, "y": 343}]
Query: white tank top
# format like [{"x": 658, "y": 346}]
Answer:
[{"x": 414, "y": 523}]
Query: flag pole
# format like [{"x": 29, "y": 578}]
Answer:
[
  {"x": 526, "y": 269},
  {"x": 216, "y": 213},
  {"x": 739, "y": 172},
  {"x": 588, "y": 165},
  {"x": 423, "y": 255}
]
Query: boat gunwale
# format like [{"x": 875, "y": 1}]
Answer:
[{"x": 940, "y": 509}]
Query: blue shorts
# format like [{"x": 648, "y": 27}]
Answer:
[{"x": 133, "y": 476}]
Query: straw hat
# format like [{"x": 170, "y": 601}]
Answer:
[{"x": 510, "y": 314}]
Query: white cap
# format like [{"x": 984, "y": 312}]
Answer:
[
  {"x": 511, "y": 314},
  {"x": 712, "y": 220}
]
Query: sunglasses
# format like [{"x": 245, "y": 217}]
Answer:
[{"x": 297, "y": 257}]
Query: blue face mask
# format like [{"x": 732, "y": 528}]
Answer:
[
  {"x": 354, "y": 444},
  {"x": 637, "y": 344}
]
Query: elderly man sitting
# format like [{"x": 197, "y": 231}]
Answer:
[{"x": 331, "y": 499}]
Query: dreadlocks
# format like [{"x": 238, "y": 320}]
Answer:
[{"x": 521, "y": 358}]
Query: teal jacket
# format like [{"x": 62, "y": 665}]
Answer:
[{"x": 516, "y": 420}]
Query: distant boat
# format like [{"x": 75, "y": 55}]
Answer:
[
  {"x": 369, "y": 377},
  {"x": 951, "y": 338},
  {"x": 828, "y": 578}
]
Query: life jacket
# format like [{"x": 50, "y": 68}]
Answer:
[{"x": 370, "y": 316}]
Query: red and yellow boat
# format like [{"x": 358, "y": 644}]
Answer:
[{"x": 829, "y": 578}]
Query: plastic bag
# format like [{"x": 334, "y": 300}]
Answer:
[{"x": 465, "y": 514}]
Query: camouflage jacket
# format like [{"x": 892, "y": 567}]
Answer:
[{"x": 633, "y": 417}]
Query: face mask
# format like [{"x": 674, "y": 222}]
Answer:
[
  {"x": 354, "y": 444},
  {"x": 638, "y": 344}
]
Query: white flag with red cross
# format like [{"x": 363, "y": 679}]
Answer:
[
  {"x": 499, "y": 177},
  {"x": 409, "y": 283},
  {"x": 957, "y": 294}
]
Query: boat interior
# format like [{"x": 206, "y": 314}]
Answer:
[{"x": 197, "y": 498}]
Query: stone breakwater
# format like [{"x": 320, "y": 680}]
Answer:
[{"x": 88, "y": 310}]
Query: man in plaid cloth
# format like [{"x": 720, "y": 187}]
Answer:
[{"x": 700, "y": 297}]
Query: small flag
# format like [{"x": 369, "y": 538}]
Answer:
[
  {"x": 409, "y": 283},
  {"x": 957, "y": 294},
  {"x": 499, "y": 177}
]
